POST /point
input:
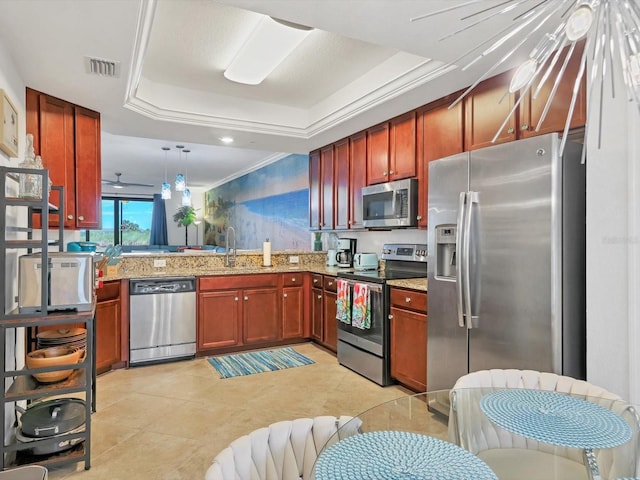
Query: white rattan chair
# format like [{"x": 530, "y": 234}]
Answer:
[
  {"x": 282, "y": 451},
  {"x": 514, "y": 457}
]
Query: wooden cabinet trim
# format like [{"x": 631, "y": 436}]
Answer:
[
  {"x": 229, "y": 282},
  {"x": 409, "y": 299}
]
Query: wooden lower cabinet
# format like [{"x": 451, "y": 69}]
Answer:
[
  {"x": 219, "y": 319},
  {"x": 260, "y": 319},
  {"x": 238, "y": 311},
  {"x": 294, "y": 311},
  {"x": 409, "y": 338},
  {"x": 317, "y": 318},
  {"x": 330, "y": 339},
  {"x": 108, "y": 326},
  {"x": 324, "y": 327}
]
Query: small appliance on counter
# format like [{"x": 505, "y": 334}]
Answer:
[
  {"x": 70, "y": 282},
  {"x": 346, "y": 251},
  {"x": 331, "y": 257},
  {"x": 365, "y": 261}
]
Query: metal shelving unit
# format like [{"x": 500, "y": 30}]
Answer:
[{"x": 23, "y": 385}]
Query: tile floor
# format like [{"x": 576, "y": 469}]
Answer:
[{"x": 168, "y": 421}]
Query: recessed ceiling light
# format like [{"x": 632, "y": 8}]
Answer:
[{"x": 226, "y": 139}]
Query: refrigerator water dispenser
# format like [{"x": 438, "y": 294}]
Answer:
[{"x": 445, "y": 251}]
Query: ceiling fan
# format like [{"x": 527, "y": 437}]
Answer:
[{"x": 117, "y": 183}]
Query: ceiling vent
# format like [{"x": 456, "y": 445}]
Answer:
[{"x": 104, "y": 68}]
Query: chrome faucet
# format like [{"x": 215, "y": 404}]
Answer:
[{"x": 230, "y": 262}]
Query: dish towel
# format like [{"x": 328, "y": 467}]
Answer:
[
  {"x": 361, "y": 317},
  {"x": 343, "y": 302}
]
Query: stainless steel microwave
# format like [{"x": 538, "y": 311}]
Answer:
[
  {"x": 70, "y": 282},
  {"x": 391, "y": 204}
]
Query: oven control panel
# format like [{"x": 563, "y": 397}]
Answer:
[{"x": 414, "y": 252}]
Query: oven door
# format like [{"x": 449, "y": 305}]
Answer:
[{"x": 369, "y": 339}]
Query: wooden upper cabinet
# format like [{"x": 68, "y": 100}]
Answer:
[
  {"x": 486, "y": 107},
  {"x": 440, "y": 134},
  {"x": 341, "y": 184},
  {"x": 327, "y": 221},
  {"x": 357, "y": 177},
  {"x": 87, "y": 168},
  {"x": 56, "y": 142},
  {"x": 402, "y": 140},
  {"x": 67, "y": 137},
  {"x": 531, "y": 109},
  {"x": 378, "y": 154},
  {"x": 314, "y": 190}
]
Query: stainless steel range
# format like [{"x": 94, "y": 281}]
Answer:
[{"x": 367, "y": 350}]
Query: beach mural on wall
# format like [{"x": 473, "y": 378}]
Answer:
[{"x": 271, "y": 202}]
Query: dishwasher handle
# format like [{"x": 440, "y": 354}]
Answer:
[{"x": 162, "y": 286}]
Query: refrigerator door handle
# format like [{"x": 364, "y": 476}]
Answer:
[
  {"x": 472, "y": 197},
  {"x": 460, "y": 254}
]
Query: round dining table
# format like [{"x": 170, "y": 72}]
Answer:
[{"x": 541, "y": 434}]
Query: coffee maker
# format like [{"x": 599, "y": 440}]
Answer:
[{"x": 346, "y": 250}]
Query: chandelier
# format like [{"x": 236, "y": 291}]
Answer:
[{"x": 610, "y": 28}]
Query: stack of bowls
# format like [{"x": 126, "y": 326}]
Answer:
[
  {"x": 69, "y": 337},
  {"x": 54, "y": 356}
]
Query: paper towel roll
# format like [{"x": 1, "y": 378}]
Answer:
[{"x": 266, "y": 253}]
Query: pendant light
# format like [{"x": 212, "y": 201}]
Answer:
[
  {"x": 186, "y": 194},
  {"x": 180, "y": 182},
  {"x": 166, "y": 187}
]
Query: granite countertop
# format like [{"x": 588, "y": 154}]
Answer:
[
  {"x": 199, "y": 264},
  {"x": 410, "y": 283}
]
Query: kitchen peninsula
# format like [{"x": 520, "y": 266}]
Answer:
[{"x": 282, "y": 310}]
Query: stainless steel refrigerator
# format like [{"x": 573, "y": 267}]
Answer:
[{"x": 506, "y": 262}]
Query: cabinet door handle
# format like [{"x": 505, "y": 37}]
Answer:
[
  {"x": 81, "y": 218},
  {"x": 384, "y": 173},
  {"x": 315, "y": 280},
  {"x": 391, "y": 172},
  {"x": 329, "y": 284},
  {"x": 419, "y": 217},
  {"x": 407, "y": 299},
  {"x": 390, "y": 317},
  {"x": 236, "y": 299},
  {"x": 284, "y": 295},
  {"x": 319, "y": 297},
  {"x": 69, "y": 217},
  {"x": 246, "y": 298},
  {"x": 510, "y": 130},
  {"x": 524, "y": 126},
  {"x": 293, "y": 279}
]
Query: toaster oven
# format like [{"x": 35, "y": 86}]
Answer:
[{"x": 70, "y": 282}]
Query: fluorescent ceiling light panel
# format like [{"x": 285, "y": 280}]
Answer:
[{"x": 265, "y": 48}]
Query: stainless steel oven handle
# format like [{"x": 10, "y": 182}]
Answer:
[
  {"x": 374, "y": 287},
  {"x": 460, "y": 254}
]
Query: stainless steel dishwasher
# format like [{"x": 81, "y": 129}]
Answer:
[{"x": 162, "y": 319}]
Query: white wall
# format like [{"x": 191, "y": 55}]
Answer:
[
  {"x": 14, "y": 87},
  {"x": 372, "y": 241},
  {"x": 613, "y": 244}
]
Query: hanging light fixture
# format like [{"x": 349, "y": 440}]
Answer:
[
  {"x": 610, "y": 29},
  {"x": 186, "y": 194},
  {"x": 180, "y": 182},
  {"x": 166, "y": 186}
]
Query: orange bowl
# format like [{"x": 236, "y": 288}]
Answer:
[{"x": 53, "y": 356}]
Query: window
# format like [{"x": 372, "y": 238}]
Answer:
[{"x": 125, "y": 221}]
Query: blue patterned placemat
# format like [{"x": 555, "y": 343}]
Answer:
[
  {"x": 395, "y": 455},
  {"x": 555, "y": 418}
]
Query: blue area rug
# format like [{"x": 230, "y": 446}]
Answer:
[{"x": 249, "y": 363}]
